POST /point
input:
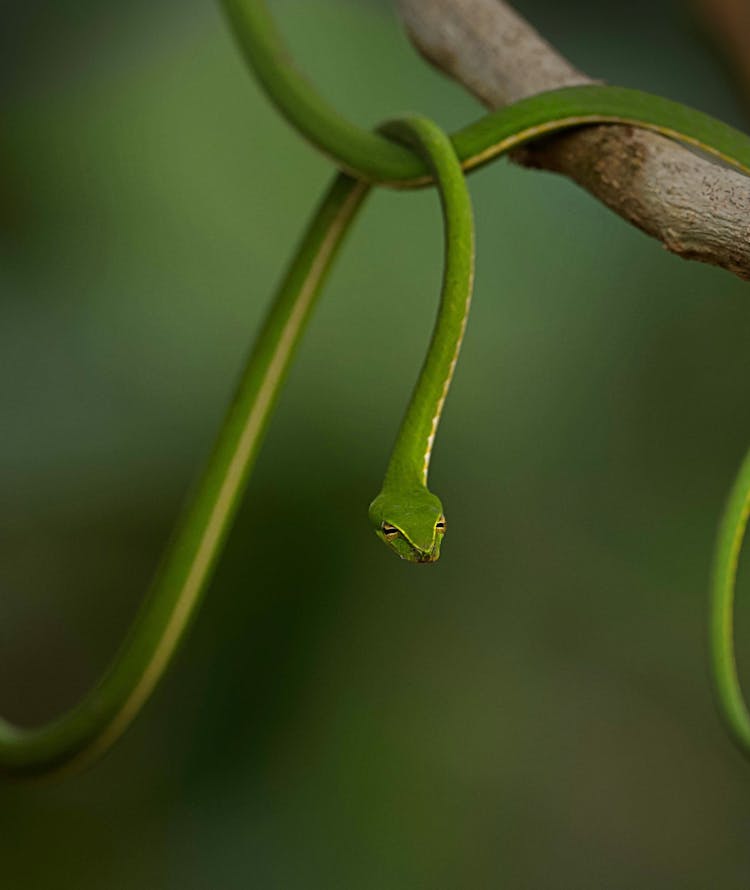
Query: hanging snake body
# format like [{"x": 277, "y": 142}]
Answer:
[{"x": 406, "y": 153}]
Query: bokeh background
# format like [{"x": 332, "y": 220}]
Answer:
[{"x": 532, "y": 712}]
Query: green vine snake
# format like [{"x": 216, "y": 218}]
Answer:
[{"x": 407, "y": 153}]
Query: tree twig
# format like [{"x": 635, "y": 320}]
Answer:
[{"x": 697, "y": 209}]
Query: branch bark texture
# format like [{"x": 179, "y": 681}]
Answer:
[{"x": 697, "y": 209}]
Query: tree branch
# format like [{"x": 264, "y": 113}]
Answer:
[{"x": 697, "y": 209}]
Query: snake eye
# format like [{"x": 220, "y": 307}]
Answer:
[
  {"x": 390, "y": 531},
  {"x": 440, "y": 525}
]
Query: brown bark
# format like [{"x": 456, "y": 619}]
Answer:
[{"x": 696, "y": 208}]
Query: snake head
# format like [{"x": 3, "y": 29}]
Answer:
[{"x": 410, "y": 522}]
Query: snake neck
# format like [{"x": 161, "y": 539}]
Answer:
[{"x": 410, "y": 460}]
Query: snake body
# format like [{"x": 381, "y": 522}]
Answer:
[
  {"x": 91, "y": 726},
  {"x": 406, "y": 515},
  {"x": 407, "y": 153}
]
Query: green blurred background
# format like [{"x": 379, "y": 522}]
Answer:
[{"x": 534, "y": 711}]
